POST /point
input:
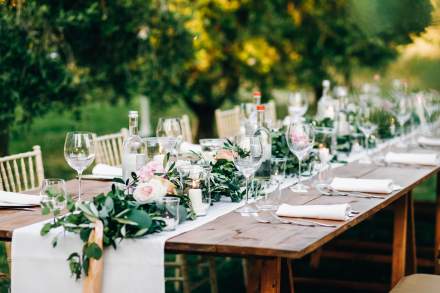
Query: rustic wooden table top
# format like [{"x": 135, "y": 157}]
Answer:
[{"x": 234, "y": 234}]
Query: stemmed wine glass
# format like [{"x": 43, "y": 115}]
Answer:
[
  {"x": 79, "y": 152},
  {"x": 300, "y": 138},
  {"x": 298, "y": 104},
  {"x": 402, "y": 111},
  {"x": 367, "y": 126},
  {"x": 170, "y": 127},
  {"x": 248, "y": 155}
]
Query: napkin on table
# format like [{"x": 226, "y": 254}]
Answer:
[
  {"x": 339, "y": 212},
  {"x": 107, "y": 170},
  {"x": 429, "y": 141},
  {"x": 364, "y": 185},
  {"x": 412, "y": 158},
  {"x": 12, "y": 198},
  {"x": 186, "y": 147}
]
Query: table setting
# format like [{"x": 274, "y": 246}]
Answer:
[{"x": 166, "y": 187}]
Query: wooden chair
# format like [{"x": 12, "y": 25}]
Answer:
[
  {"x": 420, "y": 283},
  {"x": 186, "y": 129},
  {"x": 109, "y": 148},
  {"x": 228, "y": 122},
  {"x": 21, "y": 172}
]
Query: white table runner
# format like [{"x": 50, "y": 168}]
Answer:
[{"x": 136, "y": 265}]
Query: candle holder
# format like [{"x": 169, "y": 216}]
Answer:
[{"x": 195, "y": 183}]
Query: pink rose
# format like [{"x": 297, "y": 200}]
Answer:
[
  {"x": 150, "y": 169},
  {"x": 150, "y": 191},
  {"x": 225, "y": 155}
]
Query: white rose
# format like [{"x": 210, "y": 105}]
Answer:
[{"x": 150, "y": 191}]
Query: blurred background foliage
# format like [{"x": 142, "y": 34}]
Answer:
[{"x": 68, "y": 64}]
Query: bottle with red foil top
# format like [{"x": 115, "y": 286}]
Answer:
[
  {"x": 266, "y": 139},
  {"x": 251, "y": 124}
]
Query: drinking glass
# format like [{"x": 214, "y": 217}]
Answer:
[
  {"x": 168, "y": 208},
  {"x": 248, "y": 155},
  {"x": 170, "y": 127},
  {"x": 153, "y": 148},
  {"x": 402, "y": 111},
  {"x": 210, "y": 147},
  {"x": 298, "y": 104},
  {"x": 300, "y": 138},
  {"x": 53, "y": 194},
  {"x": 278, "y": 174},
  {"x": 267, "y": 200},
  {"x": 367, "y": 126},
  {"x": 79, "y": 152}
]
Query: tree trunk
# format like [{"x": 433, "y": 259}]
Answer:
[
  {"x": 4, "y": 140},
  {"x": 206, "y": 116}
]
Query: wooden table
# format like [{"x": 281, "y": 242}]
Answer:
[{"x": 266, "y": 245}]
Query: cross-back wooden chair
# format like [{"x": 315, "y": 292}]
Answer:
[
  {"x": 228, "y": 122},
  {"x": 109, "y": 148},
  {"x": 22, "y": 172},
  {"x": 186, "y": 128}
]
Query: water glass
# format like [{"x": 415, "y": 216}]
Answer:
[
  {"x": 79, "y": 152},
  {"x": 210, "y": 147},
  {"x": 168, "y": 208},
  {"x": 153, "y": 147},
  {"x": 267, "y": 201},
  {"x": 53, "y": 194}
]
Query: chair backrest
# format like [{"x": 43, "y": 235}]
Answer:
[
  {"x": 271, "y": 111},
  {"x": 186, "y": 129},
  {"x": 228, "y": 122},
  {"x": 22, "y": 172},
  {"x": 109, "y": 148}
]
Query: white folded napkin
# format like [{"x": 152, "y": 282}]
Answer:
[
  {"x": 412, "y": 158},
  {"x": 107, "y": 170},
  {"x": 338, "y": 212},
  {"x": 429, "y": 141},
  {"x": 186, "y": 147},
  {"x": 364, "y": 185},
  {"x": 12, "y": 198}
]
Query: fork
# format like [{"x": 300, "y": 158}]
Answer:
[{"x": 311, "y": 223}]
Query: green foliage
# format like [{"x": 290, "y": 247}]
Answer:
[
  {"x": 122, "y": 218},
  {"x": 226, "y": 181},
  {"x": 34, "y": 75}
]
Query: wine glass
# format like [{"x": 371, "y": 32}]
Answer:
[
  {"x": 298, "y": 104},
  {"x": 367, "y": 126},
  {"x": 402, "y": 111},
  {"x": 170, "y": 127},
  {"x": 248, "y": 155},
  {"x": 79, "y": 152},
  {"x": 300, "y": 138}
]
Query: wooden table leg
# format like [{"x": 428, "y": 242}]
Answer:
[
  {"x": 264, "y": 275},
  {"x": 437, "y": 227},
  {"x": 411, "y": 265},
  {"x": 399, "y": 239}
]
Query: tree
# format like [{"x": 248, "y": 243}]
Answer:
[
  {"x": 268, "y": 44},
  {"x": 33, "y": 75}
]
